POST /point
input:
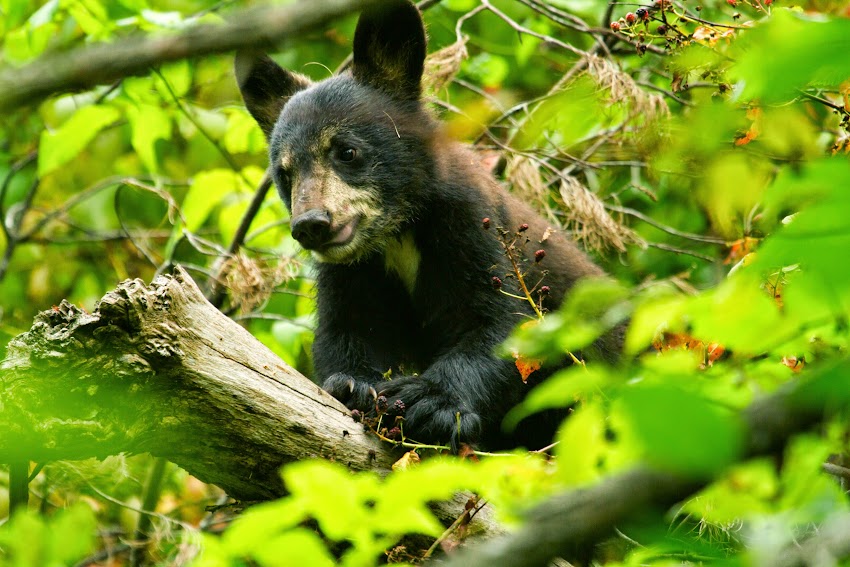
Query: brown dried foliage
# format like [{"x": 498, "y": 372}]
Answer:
[{"x": 251, "y": 281}]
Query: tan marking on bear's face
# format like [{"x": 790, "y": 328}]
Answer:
[
  {"x": 285, "y": 160},
  {"x": 349, "y": 207}
]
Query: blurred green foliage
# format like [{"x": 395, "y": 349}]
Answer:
[{"x": 711, "y": 158}]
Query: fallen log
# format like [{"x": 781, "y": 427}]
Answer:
[{"x": 157, "y": 369}]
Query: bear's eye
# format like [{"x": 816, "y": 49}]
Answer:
[
  {"x": 346, "y": 154},
  {"x": 282, "y": 177}
]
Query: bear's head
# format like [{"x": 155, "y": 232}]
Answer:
[{"x": 350, "y": 154}]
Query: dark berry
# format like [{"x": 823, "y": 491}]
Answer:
[
  {"x": 497, "y": 282},
  {"x": 357, "y": 415},
  {"x": 399, "y": 407},
  {"x": 545, "y": 290},
  {"x": 615, "y": 26},
  {"x": 486, "y": 223},
  {"x": 523, "y": 227},
  {"x": 630, "y": 18},
  {"x": 642, "y": 13},
  {"x": 394, "y": 434},
  {"x": 539, "y": 255},
  {"x": 662, "y": 30},
  {"x": 381, "y": 404}
]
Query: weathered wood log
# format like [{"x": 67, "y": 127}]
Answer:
[{"x": 158, "y": 369}]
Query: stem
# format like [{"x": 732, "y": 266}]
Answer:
[
  {"x": 19, "y": 491},
  {"x": 153, "y": 489},
  {"x": 522, "y": 285},
  {"x": 462, "y": 519}
]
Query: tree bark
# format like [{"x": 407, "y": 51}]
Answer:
[{"x": 158, "y": 369}]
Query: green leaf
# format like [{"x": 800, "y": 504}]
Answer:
[
  {"x": 486, "y": 68},
  {"x": 260, "y": 523},
  {"x": 593, "y": 306},
  {"x": 149, "y": 123},
  {"x": 325, "y": 488},
  {"x": 563, "y": 389},
  {"x": 296, "y": 547},
  {"x": 59, "y": 147},
  {"x": 459, "y": 5},
  {"x": 431, "y": 481},
  {"x": 728, "y": 203},
  {"x": 31, "y": 541},
  {"x": 738, "y": 314},
  {"x": 91, "y": 16},
  {"x": 179, "y": 77},
  {"x": 680, "y": 431},
  {"x": 209, "y": 188},
  {"x": 565, "y": 118},
  {"x": 791, "y": 52},
  {"x": 243, "y": 135},
  {"x": 659, "y": 310},
  {"x": 582, "y": 445}
]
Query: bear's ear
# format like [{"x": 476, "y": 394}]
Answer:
[
  {"x": 265, "y": 87},
  {"x": 389, "y": 49}
]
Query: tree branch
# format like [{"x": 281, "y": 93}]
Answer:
[{"x": 86, "y": 67}]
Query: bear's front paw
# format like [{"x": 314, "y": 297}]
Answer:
[
  {"x": 431, "y": 414},
  {"x": 354, "y": 393}
]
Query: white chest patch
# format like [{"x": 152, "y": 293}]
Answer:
[{"x": 402, "y": 257}]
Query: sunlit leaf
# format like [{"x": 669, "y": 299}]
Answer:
[
  {"x": 208, "y": 190},
  {"x": 150, "y": 124},
  {"x": 680, "y": 431},
  {"x": 791, "y": 52},
  {"x": 59, "y": 147}
]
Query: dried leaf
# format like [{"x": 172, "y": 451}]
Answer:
[
  {"x": 251, "y": 281},
  {"x": 794, "y": 363},
  {"x": 625, "y": 90},
  {"x": 526, "y": 181},
  {"x": 587, "y": 217},
  {"x": 409, "y": 459},
  {"x": 441, "y": 66},
  {"x": 526, "y": 366}
]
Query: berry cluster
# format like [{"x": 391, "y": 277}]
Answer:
[
  {"x": 512, "y": 244},
  {"x": 670, "y": 17},
  {"x": 641, "y": 15},
  {"x": 375, "y": 422}
]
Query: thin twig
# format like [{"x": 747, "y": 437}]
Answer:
[
  {"x": 836, "y": 470},
  {"x": 665, "y": 228},
  {"x": 462, "y": 519},
  {"x": 669, "y": 248}
]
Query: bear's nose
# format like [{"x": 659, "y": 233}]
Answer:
[{"x": 312, "y": 228}]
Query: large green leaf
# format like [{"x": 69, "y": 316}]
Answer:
[
  {"x": 791, "y": 52},
  {"x": 59, "y": 147},
  {"x": 150, "y": 123},
  {"x": 680, "y": 431}
]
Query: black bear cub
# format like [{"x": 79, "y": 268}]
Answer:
[{"x": 392, "y": 212}]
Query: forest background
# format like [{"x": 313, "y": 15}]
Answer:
[{"x": 698, "y": 149}]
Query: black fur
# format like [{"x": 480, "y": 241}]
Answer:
[{"x": 437, "y": 337}]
